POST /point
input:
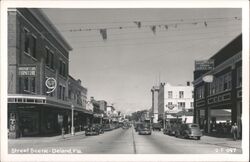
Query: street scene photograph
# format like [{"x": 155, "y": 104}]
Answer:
[{"x": 125, "y": 81}]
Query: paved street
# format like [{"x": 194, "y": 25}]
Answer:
[{"x": 124, "y": 141}]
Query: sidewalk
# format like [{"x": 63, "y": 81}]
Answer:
[
  {"x": 224, "y": 142},
  {"x": 53, "y": 138}
]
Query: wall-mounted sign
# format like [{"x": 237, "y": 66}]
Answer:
[
  {"x": 27, "y": 71},
  {"x": 50, "y": 84},
  {"x": 208, "y": 78},
  {"x": 204, "y": 65},
  {"x": 171, "y": 107}
]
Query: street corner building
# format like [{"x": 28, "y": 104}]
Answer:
[
  {"x": 41, "y": 93},
  {"x": 218, "y": 89}
]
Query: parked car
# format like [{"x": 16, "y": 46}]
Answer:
[
  {"x": 92, "y": 130},
  {"x": 144, "y": 129},
  {"x": 156, "y": 126},
  {"x": 170, "y": 129},
  {"x": 107, "y": 127},
  {"x": 189, "y": 131}
]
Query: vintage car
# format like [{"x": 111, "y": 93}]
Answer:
[
  {"x": 137, "y": 126},
  {"x": 144, "y": 129},
  {"x": 93, "y": 130},
  {"x": 156, "y": 126},
  {"x": 170, "y": 129},
  {"x": 189, "y": 131}
]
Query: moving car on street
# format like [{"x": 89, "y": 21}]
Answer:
[
  {"x": 189, "y": 131},
  {"x": 93, "y": 130},
  {"x": 144, "y": 129},
  {"x": 156, "y": 126}
]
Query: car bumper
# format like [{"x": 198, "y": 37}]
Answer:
[
  {"x": 91, "y": 133},
  {"x": 144, "y": 132}
]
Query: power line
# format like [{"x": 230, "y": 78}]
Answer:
[
  {"x": 144, "y": 32},
  {"x": 140, "y": 38},
  {"x": 142, "y": 26},
  {"x": 150, "y": 43},
  {"x": 162, "y": 20}
]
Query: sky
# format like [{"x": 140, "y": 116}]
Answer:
[{"x": 123, "y": 68}]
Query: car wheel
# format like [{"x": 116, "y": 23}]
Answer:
[{"x": 198, "y": 138}]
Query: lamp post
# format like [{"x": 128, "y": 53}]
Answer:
[{"x": 72, "y": 120}]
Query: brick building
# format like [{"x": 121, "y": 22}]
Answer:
[
  {"x": 224, "y": 91},
  {"x": 38, "y": 63}
]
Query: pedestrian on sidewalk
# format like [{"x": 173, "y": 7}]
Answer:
[{"x": 234, "y": 131}]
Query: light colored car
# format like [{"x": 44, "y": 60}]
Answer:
[{"x": 189, "y": 131}]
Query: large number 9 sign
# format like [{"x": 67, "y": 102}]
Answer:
[{"x": 51, "y": 85}]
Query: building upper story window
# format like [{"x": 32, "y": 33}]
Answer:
[
  {"x": 63, "y": 93},
  {"x": 170, "y": 94},
  {"x": 220, "y": 84},
  {"x": 170, "y": 103},
  {"x": 62, "y": 68},
  {"x": 33, "y": 46},
  {"x": 181, "y": 94},
  {"x": 69, "y": 94},
  {"x": 27, "y": 84},
  {"x": 59, "y": 95},
  {"x": 30, "y": 43},
  {"x": 26, "y": 41},
  {"x": 181, "y": 105},
  {"x": 239, "y": 77},
  {"x": 49, "y": 58},
  {"x": 227, "y": 81},
  {"x": 191, "y": 104},
  {"x": 200, "y": 92}
]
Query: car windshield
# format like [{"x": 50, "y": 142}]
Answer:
[{"x": 194, "y": 126}]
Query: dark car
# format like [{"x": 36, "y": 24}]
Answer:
[
  {"x": 92, "y": 130},
  {"x": 144, "y": 129},
  {"x": 171, "y": 129},
  {"x": 156, "y": 126},
  {"x": 189, "y": 131},
  {"x": 137, "y": 126}
]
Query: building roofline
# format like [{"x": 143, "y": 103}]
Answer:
[
  {"x": 45, "y": 21},
  {"x": 227, "y": 45}
]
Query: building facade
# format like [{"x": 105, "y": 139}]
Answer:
[
  {"x": 223, "y": 92},
  {"x": 173, "y": 99},
  {"x": 38, "y": 76},
  {"x": 154, "y": 108}
]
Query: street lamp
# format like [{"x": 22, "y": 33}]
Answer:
[{"x": 72, "y": 120}]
